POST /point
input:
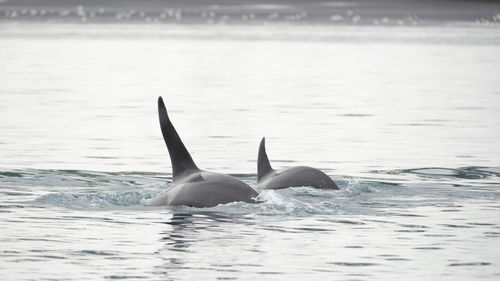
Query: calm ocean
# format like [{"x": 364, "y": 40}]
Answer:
[{"x": 405, "y": 118}]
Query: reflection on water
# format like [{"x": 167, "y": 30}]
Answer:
[{"x": 187, "y": 228}]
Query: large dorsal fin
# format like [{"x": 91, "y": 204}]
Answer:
[
  {"x": 179, "y": 156},
  {"x": 263, "y": 165}
]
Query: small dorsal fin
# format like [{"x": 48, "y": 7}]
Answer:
[
  {"x": 263, "y": 165},
  {"x": 179, "y": 155}
]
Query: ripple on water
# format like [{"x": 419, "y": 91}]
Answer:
[
  {"x": 354, "y": 264},
  {"x": 470, "y": 264},
  {"x": 459, "y": 173}
]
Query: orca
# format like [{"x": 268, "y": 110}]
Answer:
[
  {"x": 192, "y": 186},
  {"x": 268, "y": 178}
]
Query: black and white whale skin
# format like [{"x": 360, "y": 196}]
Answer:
[
  {"x": 191, "y": 186},
  {"x": 267, "y": 178}
]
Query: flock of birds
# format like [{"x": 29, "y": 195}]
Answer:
[{"x": 210, "y": 16}]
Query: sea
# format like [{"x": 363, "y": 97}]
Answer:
[{"x": 402, "y": 113}]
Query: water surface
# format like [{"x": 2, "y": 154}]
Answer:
[{"x": 404, "y": 119}]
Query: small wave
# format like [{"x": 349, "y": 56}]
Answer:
[
  {"x": 442, "y": 173},
  {"x": 470, "y": 264},
  {"x": 355, "y": 264},
  {"x": 355, "y": 188},
  {"x": 284, "y": 201},
  {"x": 467, "y": 173},
  {"x": 96, "y": 201}
]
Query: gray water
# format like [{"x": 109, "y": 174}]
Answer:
[{"x": 405, "y": 119}]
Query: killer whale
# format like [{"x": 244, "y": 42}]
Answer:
[
  {"x": 268, "y": 178},
  {"x": 192, "y": 186}
]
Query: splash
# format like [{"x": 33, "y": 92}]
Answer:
[{"x": 293, "y": 201}]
